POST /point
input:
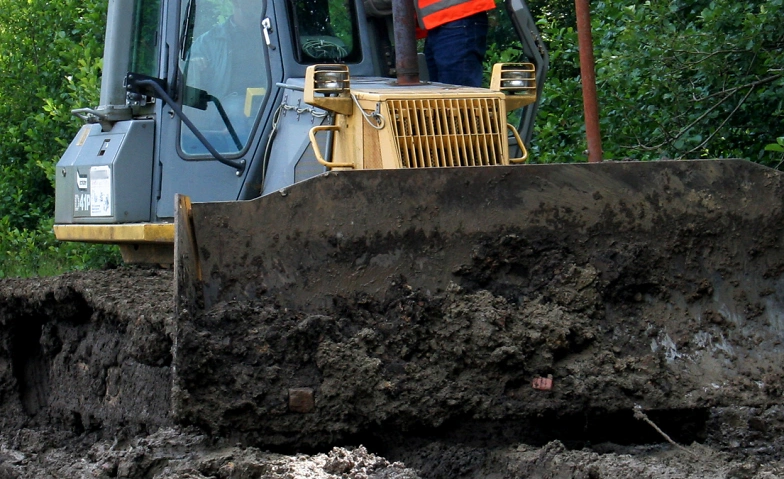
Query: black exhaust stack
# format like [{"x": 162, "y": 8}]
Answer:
[{"x": 404, "y": 20}]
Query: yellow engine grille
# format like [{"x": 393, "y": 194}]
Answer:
[{"x": 449, "y": 132}]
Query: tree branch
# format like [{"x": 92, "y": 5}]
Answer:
[
  {"x": 733, "y": 90},
  {"x": 705, "y": 142},
  {"x": 727, "y": 94}
]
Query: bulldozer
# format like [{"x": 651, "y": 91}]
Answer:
[
  {"x": 304, "y": 172},
  {"x": 191, "y": 110},
  {"x": 193, "y": 104}
]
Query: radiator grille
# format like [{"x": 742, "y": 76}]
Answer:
[{"x": 449, "y": 132}]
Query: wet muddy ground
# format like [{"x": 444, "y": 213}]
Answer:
[{"x": 448, "y": 384}]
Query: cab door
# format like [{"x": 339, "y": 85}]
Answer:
[{"x": 223, "y": 68}]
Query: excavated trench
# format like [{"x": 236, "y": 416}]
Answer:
[
  {"x": 574, "y": 431},
  {"x": 86, "y": 385},
  {"x": 30, "y": 367}
]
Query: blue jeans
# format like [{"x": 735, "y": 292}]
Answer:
[{"x": 455, "y": 51}]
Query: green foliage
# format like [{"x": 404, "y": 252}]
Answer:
[
  {"x": 675, "y": 79},
  {"x": 340, "y": 21},
  {"x": 35, "y": 252},
  {"x": 50, "y": 56},
  {"x": 778, "y": 146},
  {"x": 559, "y": 133}
]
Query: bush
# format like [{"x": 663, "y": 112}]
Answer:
[
  {"x": 51, "y": 59},
  {"x": 675, "y": 80}
]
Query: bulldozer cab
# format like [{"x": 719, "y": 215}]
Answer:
[
  {"x": 225, "y": 59},
  {"x": 232, "y": 57},
  {"x": 218, "y": 63}
]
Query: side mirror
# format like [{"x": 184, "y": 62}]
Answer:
[{"x": 195, "y": 98}]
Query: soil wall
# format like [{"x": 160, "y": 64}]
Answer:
[{"x": 88, "y": 351}]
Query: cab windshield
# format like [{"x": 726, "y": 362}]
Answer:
[
  {"x": 224, "y": 68},
  {"x": 325, "y": 31}
]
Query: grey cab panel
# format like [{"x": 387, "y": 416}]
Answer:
[{"x": 106, "y": 177}]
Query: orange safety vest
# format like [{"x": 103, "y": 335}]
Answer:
[{"x": 433, "y": 13}]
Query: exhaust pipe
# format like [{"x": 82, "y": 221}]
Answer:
[{"x": 404, "y": 20}]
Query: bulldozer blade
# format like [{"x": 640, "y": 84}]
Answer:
[
  {"x": 349, "y": 232},
  {"x": 503, "y": 300}
]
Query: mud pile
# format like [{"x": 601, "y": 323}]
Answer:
[
  {"x": 97, "y": 379},
  {"x": 355, "y": 306},
  {"x": 521, "y": 305},
  {"x": 85, "y": 350},
  {"x": 173, "y": 453},
  {"x": 465, "y": 363}
]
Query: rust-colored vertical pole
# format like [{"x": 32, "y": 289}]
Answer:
[
  {"x": 404, "y": 21},
  {"x": 588, "y": 74}
]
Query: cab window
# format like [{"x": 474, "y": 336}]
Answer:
[
  {"x": 144, "y": 47},
  {"x": 325, "y": 31},
  {"x": 224, "y": 70}
]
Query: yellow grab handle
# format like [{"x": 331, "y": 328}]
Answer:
[
  {"x": 520, "y": 143},
  {"x": 317, "y": 151}
]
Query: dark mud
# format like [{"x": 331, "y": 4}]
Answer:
[
  {"x": 85, "y": 350},
  {"x": 654, "y": 286},
  {"x": 87, "y": 374},
  {"x": 613, "y": 321},
  {"x": 460, "y": 363}
]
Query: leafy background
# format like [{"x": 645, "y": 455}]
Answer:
[
  {"x": 50, "y": 63},
  {"x": 678, "y": 79}
]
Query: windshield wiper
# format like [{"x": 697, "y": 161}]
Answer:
[{"x": 186, "y": 34}]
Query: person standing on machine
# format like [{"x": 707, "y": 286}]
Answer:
[{"x": 456, "y": 39}]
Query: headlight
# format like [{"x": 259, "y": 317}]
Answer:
[
  {"x": 329, "y": 87},
  {"x": 331, "y": 81},
  {"x": 517, "y": 81}
]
